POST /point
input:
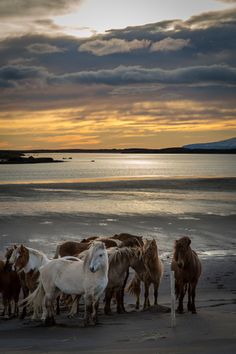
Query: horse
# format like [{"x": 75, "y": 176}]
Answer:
[
  {"x": 120, "y": 259},
  {"x": 187, "y": 269},
  {"x": 129, "y": 240},
  {"x": 86, "y": 277},
  {"x": 10, "y": 287},
  {"x": 74, "y": 248},
  {"x": 27, "y": 261},
  {"x": 151, "y": 274}
]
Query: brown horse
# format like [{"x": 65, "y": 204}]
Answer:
[
  {"x": 120, "y": 259},
  {"x": 151, "y": 274},
  {"x": 187, "y": 268},
  {"x": 10, "y": 287},
  {"x": 129, "y": 240},
  {"x": 74, "y": 248}
]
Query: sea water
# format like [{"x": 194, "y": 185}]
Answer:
[{"x": 161, "y": 196}]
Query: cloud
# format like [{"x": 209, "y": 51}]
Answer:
[
  {"x": 169, "y": 44},
  {"x": 124, "y": 75},
  {"x": 11, "y": 75},
  {"x": 102, "y": 47},
  {"x": 210, "y": 19},
  {"x": 37, "y": 8},
  {"x": 44, "y": 48},
  {"x": 228, "y": 1}
]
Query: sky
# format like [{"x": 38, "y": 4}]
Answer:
[{"x": 116, "y": 74}]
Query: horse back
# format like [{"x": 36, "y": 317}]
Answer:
[{"x": 71, "y": 248}]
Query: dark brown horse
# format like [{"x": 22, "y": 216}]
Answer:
[
  {"x": 10, "y": 287},
  {"x": 187, "y": 268}
]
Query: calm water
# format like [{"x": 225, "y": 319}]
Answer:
[
  {"x": 111, "y": 195},
  {"x": 98, "y": 166}
]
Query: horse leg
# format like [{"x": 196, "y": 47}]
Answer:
[
  {"x": 146, "y": 295},
  {"x": 6, "y": 307},
  {"x": 25, "y": 291},
  {"x": 180, "y": 308},
  {"x": 95, "y": 311},
  {"x": 108, "y": 296},
  {"x": 75, "y": 306},
  {"x": 189, "y": 297},
  {"x": 58, "y": 305},
  {"x": 48, "y": 303},
  {"x": 156, "y": 287},
  {"x": 137, "y": 292},
  {"x": 119, "y": 301},
  {"x": 88, "y": 309},
  {"x": 193, "y": 293},
  {"x": 123, "y": 291}
]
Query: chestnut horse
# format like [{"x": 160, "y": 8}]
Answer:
[
  {"x": 10, "y": 287},
  {"x": 187, "y": 268},
  {"x": 74, "y": 248},
  {"x": 152, "y": 273}
]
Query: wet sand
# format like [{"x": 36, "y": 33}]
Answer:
[{"x": 211, "y": 331}]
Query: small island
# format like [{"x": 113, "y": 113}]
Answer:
[{"x": 19, "y": 158}]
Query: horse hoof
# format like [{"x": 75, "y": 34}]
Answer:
[{"x": 180, "y": 311}]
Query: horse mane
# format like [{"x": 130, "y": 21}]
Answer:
[
  {"x": 116, "y": 256},
  {"x": 35, "y": 252}
]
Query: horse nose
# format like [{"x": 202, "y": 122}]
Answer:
[{"x": 92, "y": 269}]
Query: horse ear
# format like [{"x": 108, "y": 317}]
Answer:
[
  {"x": 15, "y": 246},
  {"x": 189, "y": 241}
]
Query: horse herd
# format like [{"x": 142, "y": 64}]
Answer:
[{"x": 91, "y": 268}]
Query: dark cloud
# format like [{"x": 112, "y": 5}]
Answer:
[
  {"x": 23, "y": 8},
  {"x": 124, "y": 75},
  {"x": 11, "y": 75}
]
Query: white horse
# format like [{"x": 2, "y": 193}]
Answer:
[{"x": 86, "y": 277}]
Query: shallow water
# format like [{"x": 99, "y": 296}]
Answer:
[{"x": 81, "y": 167}]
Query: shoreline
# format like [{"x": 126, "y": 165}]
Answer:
[{"x": 111, "y": 180}]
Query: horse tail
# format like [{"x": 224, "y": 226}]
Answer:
[
  {"x": 35, "y": 299},
  {"x": 134, "y": 286},
  {"x": 57, "y": 252}
]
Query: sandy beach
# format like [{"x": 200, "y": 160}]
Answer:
[
  {"x": 212, "y": 330},
  {"x": 41, "y": 215}
]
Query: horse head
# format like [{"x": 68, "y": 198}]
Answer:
[
  {"x": 97, "y": 256},
  {"x": 181, "y": 251},
  {"x": 19, "y": 258}
]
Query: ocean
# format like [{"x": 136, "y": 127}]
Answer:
[{"x": 158, "y": 196}]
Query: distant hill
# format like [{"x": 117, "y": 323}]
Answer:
[{"x": 228, "y": 144}]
